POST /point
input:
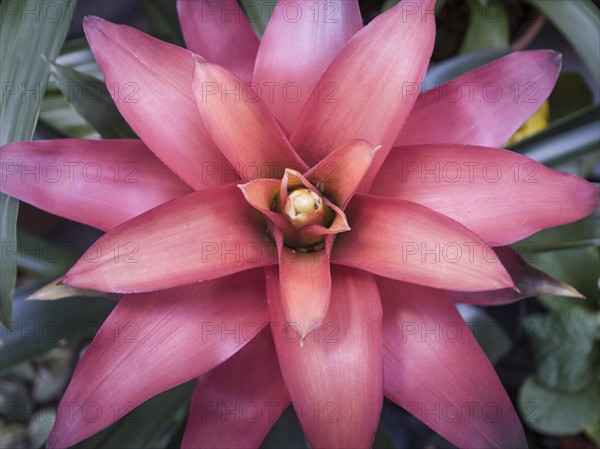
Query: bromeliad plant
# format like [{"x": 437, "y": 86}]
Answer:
[{"x": 331, "y": 233}]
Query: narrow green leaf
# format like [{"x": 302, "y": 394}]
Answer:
[
  {"x": 91, "y": 99},
  {"x": 9, "y": 209},
  {"x": 43, "y": 258},
  {"x": 387, "y": 4},
  {"x": 488, "y": 27},
  {"x": 564, "y": 139},
  {"x": 77, "y": 54},
  {"x": 58, "y": 114},
  {"x": 579, "y": 22},
  {"x": 259, "y": 13},
  {"x": 39, "y": 326},
  {"x": 24, "y": 40}
]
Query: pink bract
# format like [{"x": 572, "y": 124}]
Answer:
[{"x": 419, "y": 195}]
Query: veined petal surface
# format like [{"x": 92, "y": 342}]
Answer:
[
  {"x": 155, "y": 341},
  {"x": 409, "y": 242},
  {"x": 435, "y": 369},
  {"x": 236, "y": 404},
  {"x": 529, "y": 280},
  {"x": 80, "y": 179},
  {"x": 201, "y": 236},
  {"x": 391, "y": 55},
  {"x": 500, "y": 195},
  {"x": 485, "y": 106},
  {"x": 151, "y": 84},
  {"x": 335, "y": 377},
  {"x": 219, "y": 31},
  {"x": 300, "y": 41},
  {"x": 241, "y": 124}
]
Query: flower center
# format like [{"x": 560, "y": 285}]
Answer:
[{"x": 304, "y": 207}]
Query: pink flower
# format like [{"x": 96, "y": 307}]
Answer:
[{"x": 364, "y": 268}]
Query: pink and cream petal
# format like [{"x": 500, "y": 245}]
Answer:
[
  {"x": 409, "y": 242},
  {"x": 435, "y": 369},
  {"x": 478, "y": 187},
  {"x": 236, "y": 404},
  {"x": 151, "y": 84},
  {"x": 201, "y": 236},
  {"x": 220, "y": 32},
  {"x": 338, "y": 369},
  {"x": 395, "y": 47},
  {"x": 340, "y": 173},
  {"x": 155, "y": 341},
  {"x": 485, "y": 106},
  {"x": 305, "y": 288},
  {"x": 300, "y": 41},
  {"x": 529, "y": 280},
  {"x": 241, "y": 124},
  {"x": 80, "y": 179}
]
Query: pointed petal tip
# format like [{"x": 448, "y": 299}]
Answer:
[{"x": 556, "y": 58}]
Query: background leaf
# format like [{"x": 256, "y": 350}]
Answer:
[
  {"x": 459, "y": 65},
  {"x": 564, "y": 139},
  {"x": 488, "y": 26},
  {"x": 579, "y": 22},
  {"x": 563, "y": 347},
  {"x": 553, "y": 413},
  {"x": 91, "y": 99},
  {"x": 39, "y": 326},
  {"x": 24, "y": 39},
  {"x": 151, "y": 425},
  {"x": 259, "y": 13},
  {"x": 584, "y": 232}
]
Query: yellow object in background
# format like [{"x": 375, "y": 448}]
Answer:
[{"x": 534, "y": 124}]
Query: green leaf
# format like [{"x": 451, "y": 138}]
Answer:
[
  {"x": 593, "y": 432},
  {"x": 43, "y": 258},
  {"x": 24, "y": 39},
  {"x": 577, "y": 267},
  {"x": 152, "y": 424},
  {"x": 39, "y": 326},
  {"x": 387, "y": 4},
  {"x": 553, "y": 413},
  {"x": 563, "y": 348},
  {"x": 9, "y": 209},
  {"x": 490, "y": 335},
  {"x": 459, "y": 65},
  {"x": 259, "y": 13},
  {"x": 91, "y": 99},
  {"x": 584, "y": 232},
  {"x": 488, "y": 26},
  {"x": 77, "y": 54},
  {"x": 564, "y": 139},
  {"x": 579, "y": 22},
  {"x": 163, "y": 19},
  {"x": 57, "y": 113},
  {"x": 570, "y": 95}
]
